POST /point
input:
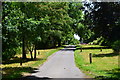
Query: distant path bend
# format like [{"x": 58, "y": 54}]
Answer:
[{"x": 60, "y": 65}]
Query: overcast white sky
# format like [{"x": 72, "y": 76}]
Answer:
[{"x": 76, "y": 37}]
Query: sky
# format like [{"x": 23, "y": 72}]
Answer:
[{"x": 76, "y": 37}]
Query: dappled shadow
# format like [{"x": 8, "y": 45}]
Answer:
[
  {"x": 70, "y": 46},
  {"x": 95, "y": 48},
  {"x": 115, "y": 75},
  {"x": 106, "y": 78},
  {"x": 38, "y": 59},
  {"x": 18, "y": 60},
  {"x": 42, "y": 48},
  {"x": 68, "y": 49},
  {"x": 105, "y": 55},
  {"x": 15, "y": 60},
  {"x": 47, "y": 78},
  {"x": 34, "y": 78},
  {"x": 13, "y": 72}
]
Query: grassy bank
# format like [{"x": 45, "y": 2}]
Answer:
[
  {"x": 12, "y": 68},
  {"x": 105, "y": 62}
]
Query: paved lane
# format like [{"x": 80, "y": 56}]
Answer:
[{"x": 60, "y": 65}]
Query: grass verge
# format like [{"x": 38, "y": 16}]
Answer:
[
  {"x": 105, "y": 62},
  {"x": 12, "y": 68}
]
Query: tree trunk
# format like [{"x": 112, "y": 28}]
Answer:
[
  {"x": 54, "y": 44},
  {"x": 31, "y": 55},
  {"x": 82, "y": 40},
  {"x": 59, "y": 43},
  {"x": 23, "y": 48},
  {"x": 35, "y": 53}
]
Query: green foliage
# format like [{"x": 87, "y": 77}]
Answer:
[
  {"x": 75, "y": 12},
  {"x": 104, "y": 19},
  {"x": 18, "y": 50},
  {"x": 9, "y": 31},
  {"x": 116, "y": 46},
  {"x": 8, "y": 54},
  {"x": 42, "y": 24},
  {"x": 74, "y": 42},
  {"x": 100, "y": 41}
]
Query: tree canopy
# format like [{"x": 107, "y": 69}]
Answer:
[
  {"x": 34, "y": 25},
  {"x": 38, "y": 25},
  {"x": 103, "y": 18}
]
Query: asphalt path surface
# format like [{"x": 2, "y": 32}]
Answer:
[{"x": 60, "y": 65}]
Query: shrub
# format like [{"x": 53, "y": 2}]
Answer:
[
  {"x": 116, "y": 46},
  {"x": 8, "y": 54}
]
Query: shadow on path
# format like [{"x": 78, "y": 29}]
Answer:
[
  {"x": 69, "y": 48},
  {"x": 34, "y": 78},
  {"x": 13, "y": 72}
]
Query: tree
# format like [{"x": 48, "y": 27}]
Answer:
[
  {"x": 103, "y": 19},
  {"x": 76, "y": 13},
  {"x": 10, "y": 38},
  {"x": 35, "y": 25}
]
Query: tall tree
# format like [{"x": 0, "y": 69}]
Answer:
[
  {"x": 32, "y": 25},
  {"x": 103, "y": 18}
]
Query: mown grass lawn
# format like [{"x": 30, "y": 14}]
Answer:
[
  {"x": 104, "y": 63},
  {"x": 12, "y": 69}
]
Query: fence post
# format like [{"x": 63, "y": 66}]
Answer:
[
  {"x": 119, "y": 58},
  {"x": 20, "y": 61},
  {"x": 90, "y": 57},
  {"x": 38, "y": 52},
  {"x": 101, "y": 49},
  {"x": 80, "y": 49}
]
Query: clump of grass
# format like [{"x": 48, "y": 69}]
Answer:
[{"x": 105, "y": 62}]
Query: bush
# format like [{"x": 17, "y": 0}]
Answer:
[
  {"x": 8, "y": 54},
  {"x": 116, "y": 46}
]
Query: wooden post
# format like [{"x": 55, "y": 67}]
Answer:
[
  {"x": 38, "y": 52},
  {"x": 90, "y": 56},
  {"x": 119, "y": 59},
  {"x": 80, "y": 49},
  {"x": 101, "y": 49},
  {"x": 20, "y": 61},
  {"x": 35, "y": 52}
]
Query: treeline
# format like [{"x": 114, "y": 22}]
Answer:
[
  {"x": 31, "y": 26},
  {"x": 103, "y": 18}
]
